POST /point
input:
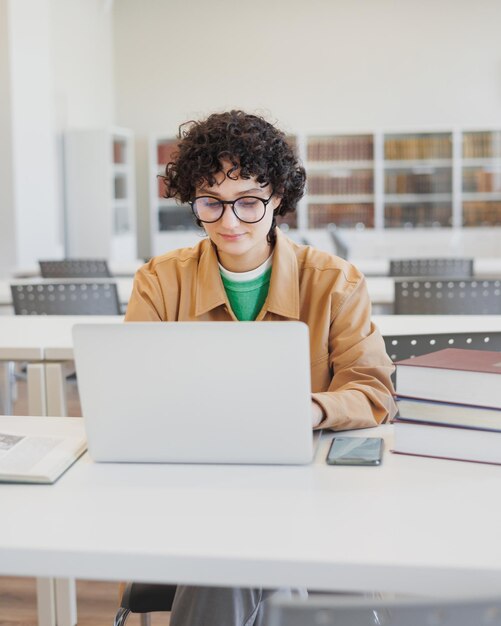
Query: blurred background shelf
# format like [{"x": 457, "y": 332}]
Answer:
[{"x": 373, "y": 180}]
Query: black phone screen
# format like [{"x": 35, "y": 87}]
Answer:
[{"x": 355, "y": 451}]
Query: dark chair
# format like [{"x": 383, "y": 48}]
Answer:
[
  {"x": 144, "y": 598},
  {"x": 447, "y": 297},
  {"x": 75, "y": 268},
  {"x": 66, "y": 298},
  {"x": 339, "y": 611},
  {"x": 444, "y": 268},
  {"x": 401, "y": 347}
]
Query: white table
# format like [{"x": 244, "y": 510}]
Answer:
[
  {"x": 413, "y": 525},
  {"x": 436, "y": 324},
  {"x": 56, "y": 597},
  {"x": 46, "y": 341},
  {"x": 36, "y": 340}
]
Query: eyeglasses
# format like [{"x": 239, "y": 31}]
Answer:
[{"x": 248, "y": 209}]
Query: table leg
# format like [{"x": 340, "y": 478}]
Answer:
[
  {"x": 37, "y": 396},
  {"x": 46, "y": 596},
  {"x": 56, "y": 598},
  {"x": 46, "y": 602},
  {"x": 66, "y": 602},
  {"x": 55, "y": 387},
  {"x": 65, "y": 588},
  {"x": 6, "y": 387}
]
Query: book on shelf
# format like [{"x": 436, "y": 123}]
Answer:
[
  {"x": 481, "y": 145},
  {"x": 458, "y": 376},
  {"x": 341, "y": 148},
  {"x": 447, "y": 442},
  {"x": 418, "y": 147},
  {"x": 37, "y": 458},
  {"x": 165, "y": 151},
  {"x": 118, "y": 152},
  {"x": 482, "y": 213},
  {"x": 340, "y": 214}
]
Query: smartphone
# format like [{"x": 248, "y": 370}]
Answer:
[{"x": 355, "y": 451}]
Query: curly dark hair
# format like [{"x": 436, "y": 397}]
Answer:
[{"x": 253, "y": 146}]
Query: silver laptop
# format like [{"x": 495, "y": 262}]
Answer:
[{"x": 196, "y": 392}]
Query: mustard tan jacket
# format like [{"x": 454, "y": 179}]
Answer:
[{"x": 350, "y": 370}]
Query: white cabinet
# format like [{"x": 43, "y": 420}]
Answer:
[{"x": 100, "y": 194}]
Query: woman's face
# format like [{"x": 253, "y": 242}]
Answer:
[{"x": 241, "y": 247}]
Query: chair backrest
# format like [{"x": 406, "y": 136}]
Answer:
[
  {"x": 401, "y": 347},
  {"x": 332, "y": 611},
  {"x": 66, "y": 298},
  {"x": 147, "y": 597},
  {"x": 447, "y": 297},
  {"x": 445, "y": 268},
  {"x": 75, "y": 268}
]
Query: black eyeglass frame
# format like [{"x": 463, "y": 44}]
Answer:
[{"x": 232, "y": 203}]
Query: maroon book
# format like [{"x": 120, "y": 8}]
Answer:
[
  {"x": 458, "y": 359},
  {"x": 452, "y": 375}
]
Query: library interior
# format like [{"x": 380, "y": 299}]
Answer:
[{"x": 332, "y": 168}]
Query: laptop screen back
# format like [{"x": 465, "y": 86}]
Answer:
[{"x": 201, "y": 392}]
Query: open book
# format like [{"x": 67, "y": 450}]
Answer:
[{"x": 37, "y": 458}]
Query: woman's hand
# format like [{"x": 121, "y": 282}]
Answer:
[{"x": 317, "y": 414}]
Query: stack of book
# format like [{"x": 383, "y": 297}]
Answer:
[{"x": 450, "y": 405}]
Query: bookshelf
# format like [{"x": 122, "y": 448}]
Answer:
[
  {"x": 100, "y": 194},
  {"x": 481, "y": 178},
  {"x": 397, "y": 179},
  {"x": 417, "y": 179},
  {"x": 340, "y": 182}
]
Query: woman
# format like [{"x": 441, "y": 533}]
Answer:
[{"x": 238, "y": 173}]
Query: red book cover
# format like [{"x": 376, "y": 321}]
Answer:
[{"x": 458, "y": 359}]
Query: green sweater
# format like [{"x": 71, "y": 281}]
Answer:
[{"x": 247, "y": 298}]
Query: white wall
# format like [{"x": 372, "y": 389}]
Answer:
[
  {"x": 56, "y": 72},
  {"x": 32, "y": 228},
  {"x": 82, "y": 63},
  {"x": 314, "y": 66},
  {"x": 7, "y": 243}
]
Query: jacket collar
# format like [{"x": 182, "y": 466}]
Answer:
[
  {"x": 210, "y": 291},
  {"x": 283, "y": 296}
]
